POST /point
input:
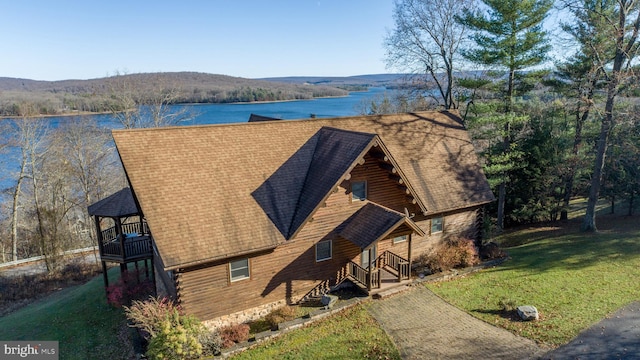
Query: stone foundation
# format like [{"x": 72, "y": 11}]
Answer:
[{"x": 244, "y": 315}]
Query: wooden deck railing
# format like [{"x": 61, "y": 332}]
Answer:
[
  {"x": 369, "y": 279},
  {"x": 133, "y": 243},
  {"x": 130, "y": 248},
  {"x": 110, "y": 234},
  {"x": 396, "y": 262}
]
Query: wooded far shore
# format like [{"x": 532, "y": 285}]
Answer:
[{"x": 24, "y": 97}]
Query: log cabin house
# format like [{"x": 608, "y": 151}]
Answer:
[{"x": 243, "y": 218}]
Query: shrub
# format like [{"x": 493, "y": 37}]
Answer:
[
  {"x": 451, "y": 253},
  {"x": 282, "y": 314},
  {"x": 171, "y": 333},
  {"x": 149, "y": 315},
  {"x": 129, "y": 288},
  {"x": 490, "y": 251},
  {"x": 177, "y": 338},
  {"x": 211, "y": 343},
  {"x": 233, "y": 334}
]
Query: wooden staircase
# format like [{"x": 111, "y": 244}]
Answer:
[{"x": 390, "y": 271}]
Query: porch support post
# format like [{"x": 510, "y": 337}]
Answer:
[
  {"x": 153, "y": 272},
  {"x": 96, "y": 219},
  {"x": 409, "y": 254},
  {"x": 369, "y": 280},
  {"x": 120, "y": 237},
  {"x": 105, "y": 276}
]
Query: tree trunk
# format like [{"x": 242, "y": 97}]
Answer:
[
  {"x": 506, "y": 141},
  {"x": 589, "y": 223},
  {"x": 631, "y": 198},
  {"x": 577, "y": 142},
  {"x": 502, "y": 192},
  {"x": 15, "y": 206}
]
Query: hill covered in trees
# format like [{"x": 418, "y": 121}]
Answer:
[{"x": 98, "y": 95}]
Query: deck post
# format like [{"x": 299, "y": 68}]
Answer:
[
  {"x": 96, "y": 219},
  {"x": 105, "y": 276},
  {"x": 409, "y": 254},
  {"x": 120, "y": 236},
  {"x": 153, "y": 272},
  {"x": 369, "y": 280}
]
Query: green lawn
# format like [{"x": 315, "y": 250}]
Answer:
[
  {"x": 351, "y": 334},
  {"x": 574, "y": 279},
  {"x": 78, "y": 318}
]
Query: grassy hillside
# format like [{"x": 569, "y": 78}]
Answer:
[
  {"x": 78, "y": 318},
  {"x": 574, "y": 279}
]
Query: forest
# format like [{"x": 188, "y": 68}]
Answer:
[
  {"x": 102, "y": 95},
  {"x": 547, "y": 132}
]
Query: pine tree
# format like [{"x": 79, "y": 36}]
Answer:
[{"x": 508, "y": 36}]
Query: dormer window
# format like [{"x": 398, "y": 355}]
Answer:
[{"x": 358, "y": 190}]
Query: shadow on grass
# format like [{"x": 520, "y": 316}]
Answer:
[
  {"x": 511, "y": 315},
  {"x": 550, "y": 246}
]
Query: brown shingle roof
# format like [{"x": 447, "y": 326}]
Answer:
[
  {"x": 195, "y": 183},
  {"x": 293, "y": 192},
  {"x": 373, "y": 222}
]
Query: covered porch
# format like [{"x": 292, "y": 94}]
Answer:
[
  {"x": 122, "y": 233},
  {"x": 374, "y": 228}
]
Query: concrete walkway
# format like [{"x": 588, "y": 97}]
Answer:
[{"x": 424, "y": 326}]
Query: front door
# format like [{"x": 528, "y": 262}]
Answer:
[{"x": 365, "y": 256}]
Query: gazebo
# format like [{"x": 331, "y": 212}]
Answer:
[{"x": 123, "y": 234}]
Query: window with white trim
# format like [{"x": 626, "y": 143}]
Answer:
[
  {"x": 358, "y": 190},
  {"x": 239, "y": 269},
  {"x": 399, "y": 239},
  {"x": 436, "y": 225},
  {"x": 323, "y": 250}
]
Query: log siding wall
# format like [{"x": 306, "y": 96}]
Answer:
[{"x": 290, "y": 271}]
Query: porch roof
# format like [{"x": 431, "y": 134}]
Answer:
[
  {"x": 373, "y": 222},
  {"x": 119, "y": 204}
]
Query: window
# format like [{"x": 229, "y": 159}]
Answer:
[
  {"x": 436, "y": 225},
  {"x": 358, "y": 190},
  {"x": 399, "y": 239},
  {"x": 323, "y": 250},
  {"x": 239, "y": 269}
]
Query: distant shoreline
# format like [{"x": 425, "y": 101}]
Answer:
[{"x": 89, "y": 113}]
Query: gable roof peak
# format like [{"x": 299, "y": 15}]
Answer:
[{"x": 292, "y": 194}]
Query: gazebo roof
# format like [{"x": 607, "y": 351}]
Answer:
[{"x": 119, "y": 204}]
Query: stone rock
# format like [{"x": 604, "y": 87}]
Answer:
[
  {"x": 528, "y": 312},
  {"x": 329, "y": 300}
]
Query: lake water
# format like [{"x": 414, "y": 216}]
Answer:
[
  {"x": 230, "y": 113},
  {"x": 300, "y": 109},
  {"x": 240, "y": 112}
]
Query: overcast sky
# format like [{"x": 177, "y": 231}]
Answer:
[{"x": 56, "y": 40}]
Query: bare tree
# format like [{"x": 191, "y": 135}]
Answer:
[
  {"x": 29, "y": 136},
  {"x": 425, "y": 41},
  {"x": 85, "y": 155},
  {"x": 138, "y": 107}
]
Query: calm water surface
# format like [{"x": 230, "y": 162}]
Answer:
[{"x": 228, "y": 113}]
